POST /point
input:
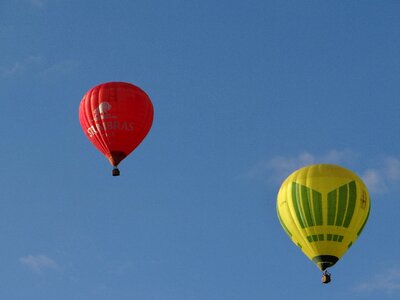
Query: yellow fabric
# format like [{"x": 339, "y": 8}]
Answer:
[{"x": 323, "y": 208}]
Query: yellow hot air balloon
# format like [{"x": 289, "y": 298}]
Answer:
[{"x": 323, "y": 208}]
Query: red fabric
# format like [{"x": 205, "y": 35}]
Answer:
[{"x": 116, "y": 117}]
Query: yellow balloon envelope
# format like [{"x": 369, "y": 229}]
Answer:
[{"x": 323, "y": 208}]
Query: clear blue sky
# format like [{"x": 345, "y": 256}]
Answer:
[{"x": 244, "y": 92}]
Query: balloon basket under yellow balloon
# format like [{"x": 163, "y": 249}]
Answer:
[{"x": 326, "y": 277}]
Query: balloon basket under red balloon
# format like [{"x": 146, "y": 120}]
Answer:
[{"x": 115, "y": 172}]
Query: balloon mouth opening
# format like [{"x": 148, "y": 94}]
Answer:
[
  {"x": 325, "y": 261},
  {"x": 116, "y": 157}
]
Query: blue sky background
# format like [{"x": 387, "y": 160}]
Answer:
[{"x": 245, "y": 92}]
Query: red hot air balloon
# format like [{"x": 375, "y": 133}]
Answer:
[{"x": 116, "y": 117}]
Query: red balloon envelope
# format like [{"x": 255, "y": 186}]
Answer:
[{"x": 116, "y": 117}]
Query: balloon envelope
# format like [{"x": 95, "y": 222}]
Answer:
[
  {"x": 323, "y": 208},
  {"x": 116, "y": 117}
]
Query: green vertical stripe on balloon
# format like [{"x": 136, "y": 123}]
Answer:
[
  {"x": 342, "y": 204},
  {"x": 340, "y": 239},
  {"x": 332, "y": 207},
  {"x": 329, "y": 237},
  {"x": 320, "y": 237},
  {"x": 365, "y": 222},
  {"x": 305, "y": 200},
  {"x": 309, "y": 238},
  {"x": 317, "y": 204},
  {"x": 283, "y": 224},
  {"x": 296, "y": 203},
  {"x": 352, "y": 203},
  {"x": 335, "y": 237}
]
